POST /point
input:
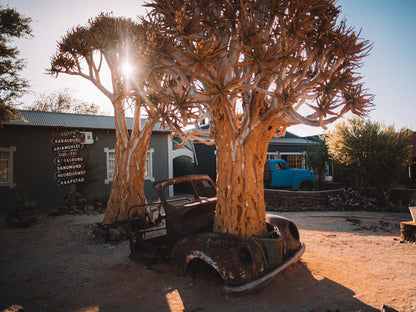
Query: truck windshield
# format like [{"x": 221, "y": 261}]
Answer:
[{"x": 281, "y": 166}]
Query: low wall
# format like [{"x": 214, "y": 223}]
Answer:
[{"x": 283, "y": 200}]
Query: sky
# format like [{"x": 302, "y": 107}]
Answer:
[{"x": 388, "y": 72}]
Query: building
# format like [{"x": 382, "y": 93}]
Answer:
[{"x": 29, "y": 157}]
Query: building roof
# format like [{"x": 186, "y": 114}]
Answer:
[
  {"x": 292, "y": 139},
  {"x": 66, "y": 120},
  {"x": 288, "y": 138}
]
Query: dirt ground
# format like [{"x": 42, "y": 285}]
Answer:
[{"x": 58, "y": 265}]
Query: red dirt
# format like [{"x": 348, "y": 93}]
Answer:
[{"x": 58, "y": 265}]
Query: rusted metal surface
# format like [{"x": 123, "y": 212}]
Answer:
[
  {"x": 194, "y": 215},
  {"x": 180, "y": 229},
  {"x": 288, "y": 232},
  {"x": 236, "y": 259},
  {"x": 263, "y": 280}
]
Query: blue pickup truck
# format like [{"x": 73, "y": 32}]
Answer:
[{"x": 278, "y": 174}]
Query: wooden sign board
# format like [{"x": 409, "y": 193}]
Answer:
[{"x": 69, "y": 163}]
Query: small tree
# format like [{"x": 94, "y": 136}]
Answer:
[
  {"x": 12, "y": 86},
  {"x": 63, "y": 102},
  {"x": 373, "y": 154},
  {"x": 317, "y": 157},
  {"x": 258, "y": 67}
]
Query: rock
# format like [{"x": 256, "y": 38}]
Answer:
[
  {"x": 122, "y": 230},
  {"x": 384, "y": 229},
  {"x": 386, "y": 308},
  {"x": 113, "y": 235},
  {"x": 367, "y": 227},
  {"x": 353, "y": 221},
  {"x": 384, "y": 223},
  {"x": 88, "y": 208}
]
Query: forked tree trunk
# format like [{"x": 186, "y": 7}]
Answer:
[
  {"x": 127, "y": 187},
  {"x": 240, "y": 166}
]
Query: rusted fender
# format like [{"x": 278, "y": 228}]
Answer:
[
  {"x": 289, "y": 233},
  {"x": 238, "y": 260},
  {"x": 265, "y": 279}
]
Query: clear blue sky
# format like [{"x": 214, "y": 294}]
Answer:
[{"x": 388, "y": 72}]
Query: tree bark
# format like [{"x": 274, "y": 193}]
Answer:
[
  {"x": 127, "y": 187},
  {"x": 128, "y": 184},
  {"x": 241, "y": 208}
]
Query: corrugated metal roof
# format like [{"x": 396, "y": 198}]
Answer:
[
  {"x": 65, "y": 120},
  {"x": 292, "y": 140}
]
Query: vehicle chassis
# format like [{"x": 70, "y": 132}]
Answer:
[{"x": 179, "y": 230}]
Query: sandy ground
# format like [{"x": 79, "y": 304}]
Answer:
[{"x": 58, "y": 265}]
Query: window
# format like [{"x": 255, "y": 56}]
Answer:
[
  {"x": 6, "y": 166},
  {"x": 110, "y": 164},
  {"x": 281, "y": 166},
  {"x": 110, "y": 159},
  {"x": 295, "y": 161},
  {"x": 148, "y": 174}
]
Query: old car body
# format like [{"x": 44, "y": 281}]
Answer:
[{"x": 179, "y": 229}]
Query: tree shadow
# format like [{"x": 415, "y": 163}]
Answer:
[{"x": 295, "y": 289}]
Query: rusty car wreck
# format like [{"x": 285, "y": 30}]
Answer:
[{"x": 179, "y": 230}]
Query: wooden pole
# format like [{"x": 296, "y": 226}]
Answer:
[{"x": 408, "y": 231}]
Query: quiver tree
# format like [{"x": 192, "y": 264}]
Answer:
[
  {"x": 103, "y": 47},
  {"x": 257, "y": 68}
]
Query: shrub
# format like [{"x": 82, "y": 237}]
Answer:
[{"x": 350, "y": 199}]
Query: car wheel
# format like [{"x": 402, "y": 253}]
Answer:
[{"x": 306, "y": 186}]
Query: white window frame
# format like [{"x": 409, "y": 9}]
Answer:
[
  {"x": 148, "y": 170},
  {"x": 278, "y": 155},
  {"x": 109, "y": 171},
  {"x": 10, "y": 150},
  {"x": 149, "y": 166}
]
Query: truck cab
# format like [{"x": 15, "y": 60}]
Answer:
[{"x": 278, "y": 174}]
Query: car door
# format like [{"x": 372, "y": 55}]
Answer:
[{"x": 281, "y": 175}]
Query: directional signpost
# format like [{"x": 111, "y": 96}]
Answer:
[{"x": 69, "y": 163}]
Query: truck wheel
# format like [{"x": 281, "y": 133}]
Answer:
[{"x": 306, "y": 186}]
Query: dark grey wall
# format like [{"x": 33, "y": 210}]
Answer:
[
  {"x": 34, "y": 167},
  {"x": 206, "y": 160},
  {"x": 159, "y": 142}
]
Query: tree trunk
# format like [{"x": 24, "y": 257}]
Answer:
[
  {"x": 240, "y": 166},
  {"x": 127, "y": 187}
]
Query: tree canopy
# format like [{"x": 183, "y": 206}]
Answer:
[
  {"x": 279, "y": 62},
  {"x": 374, "y": 154},
  {"x": 109, "y": 42},
  {"x": 12, "y": 86},
  {"x": 255, "y": 68}
]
